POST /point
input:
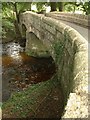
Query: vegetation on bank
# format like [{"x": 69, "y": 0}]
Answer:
[{"x": 26, "y": 104}]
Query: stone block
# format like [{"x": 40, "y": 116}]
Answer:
[
  {"x": 36, "y": 46},
  {"x": 49, "y": 28},
  {"x": 59, "y": 35}
]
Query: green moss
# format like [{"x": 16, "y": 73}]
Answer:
[
  {"x": 59, "y": 49},
  {"x": 27, "y": 101},
  {"x": 38, "y": 53},
  {"x": 63, "y": 66}
]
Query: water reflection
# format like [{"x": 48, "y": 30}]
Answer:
[{"x": 21, "y": 71}]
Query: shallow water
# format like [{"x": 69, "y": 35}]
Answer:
[{"x": 20, "y": 70}]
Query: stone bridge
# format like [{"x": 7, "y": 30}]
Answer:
[{"x": 70, "y": 53}]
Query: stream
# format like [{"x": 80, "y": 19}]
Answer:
[{"x": 20, "y": 70}]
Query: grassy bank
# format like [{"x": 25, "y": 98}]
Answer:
[{"x": 39, "y": 100}]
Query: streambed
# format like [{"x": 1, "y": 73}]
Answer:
[{"x": 20, "y": 70}]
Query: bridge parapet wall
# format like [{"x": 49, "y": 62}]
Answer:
[
  {"x": 69, "y": 50},
  {"x": 82, "y": 20}
]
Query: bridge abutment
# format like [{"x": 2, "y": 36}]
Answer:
[{"x": 35, "y": 47}]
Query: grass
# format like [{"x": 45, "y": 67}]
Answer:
[{"x": 25, "y": 104}]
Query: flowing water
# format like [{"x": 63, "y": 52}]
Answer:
[{"x": 20, "y": 70}]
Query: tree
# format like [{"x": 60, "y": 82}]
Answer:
[
  {"x": 56, "y": 5},
  {"x": 71, "y": 6},
  {"x": 53, "y": 6},
  {"x": 86, "y": 7},
  {"x": 12, "y": 10},
  {"x": 40, "y": 6},
  {"x": 60, "y": 6}
]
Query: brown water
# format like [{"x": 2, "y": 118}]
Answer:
[{"x": 21, "y": 70}]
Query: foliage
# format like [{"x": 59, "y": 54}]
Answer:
[
  {"x": 40, "y": 6},
  {"x": 10, "y": 16},
  {"x": 7, "y": 11},
  {"x": 70, "y": 7},
  {"x": 60, "y": 6},
  {"x": 8, "y": 19},
  {"x": 24, "y": 6},
  {"x": 86, "y": 7},
  {"x": 7, "y": 31}
]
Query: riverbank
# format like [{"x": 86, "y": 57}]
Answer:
[{"x": 29, "y": 84}]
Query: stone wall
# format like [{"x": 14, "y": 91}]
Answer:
[
  {"x": 69, "y": 51},
  {"x": 80, "y": 19}
]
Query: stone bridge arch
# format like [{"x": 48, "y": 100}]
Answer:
[
  {"x": 69, "y": 51},
  {"x": 23, "y": 31},
  {"x": 34, "y": 45}
]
